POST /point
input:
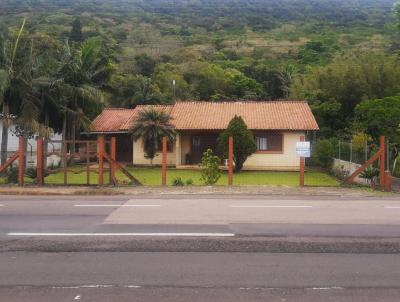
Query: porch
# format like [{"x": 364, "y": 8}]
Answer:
[{"x": 191, "y": 145}]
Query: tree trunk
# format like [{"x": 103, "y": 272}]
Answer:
[
  {"x": 64, "y": 136},
  {"x": 4, "y": 134},
  {"x": 46, "y": 140},
  {"x": 72, "y": 145},
  {"x": 73, "y": 135},
  {"x": 64, "y": 128}
]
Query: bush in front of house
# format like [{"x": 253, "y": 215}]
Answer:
[
  {"x": 189, "y": 182},
  {"x": 323, "y": 153},
  {"x": 32, "y": 173},
  {"x": 210, "y": 171},
  {"x": 178, "y": 182},
  {"x": 244, "y": 143},
  {"x": 12, "y": 175}
]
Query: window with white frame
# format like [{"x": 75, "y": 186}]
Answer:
[{"x": 262, "y": 143}]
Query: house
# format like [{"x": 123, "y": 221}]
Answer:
[
  {"x": 277, "y": 126},
  {"x": 31, "y": 146}
]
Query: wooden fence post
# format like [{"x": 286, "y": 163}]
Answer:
[
  {"x": 382, "y": 156},
  {"x": 164, "y": 162},
  {"x": 87, "y": 164},
  {"x": 388, "y": 181},
  {"x": 230, "y": 161},
  {"x": 21, "y": 160},
  {"x": 113, "y": 155},
  {"x": 65, "y": 160},
  {"x": 100, "y": 155},
  {"x": 39, "y": 160},
  {"x": 302, "y": 165}
]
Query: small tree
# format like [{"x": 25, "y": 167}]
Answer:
[
  {"x": 244, "y": 143},
  {"x": 152, "y": 125},
  {"x": 210, "y": 171},
  {"x": 323, "y": 153}
]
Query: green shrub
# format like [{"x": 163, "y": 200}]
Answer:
[
  {"x": 323, "y": 153},
  {"x": 178, "y": 182},
  {"x": 32, "y": 173},
  {"x": 370, "y": 174},
  {"x": 210, "y": 171},
  {"x": 396, "y": 167},
  {"x": 189, "y": 182},
  {"x": 12, "y": 175}
]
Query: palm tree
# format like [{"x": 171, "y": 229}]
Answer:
[
  {"x": 7, "y": 74},
  {"x": 16, "y": 95},
  {"x": 286, "y": 76},
  {"x": 79, "y": 82},
  {"x": 151, "y": 126}
]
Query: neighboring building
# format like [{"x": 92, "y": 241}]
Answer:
[
  {"x": 31, "y": 146},
  {"x": 277, "y": 126}
]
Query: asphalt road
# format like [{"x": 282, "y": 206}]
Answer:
[{"x": 199, "y": 248}]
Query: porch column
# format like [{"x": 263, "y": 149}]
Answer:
[{"x": 178, "y": 150}]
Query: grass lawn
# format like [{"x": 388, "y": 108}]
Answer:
[{"x": 152, "y": 177}]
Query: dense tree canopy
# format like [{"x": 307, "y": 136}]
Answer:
[
  {"x": 336, "y": 54},
  {"x": 337, "y": 88},
  {"x": 380, "y": 117}
]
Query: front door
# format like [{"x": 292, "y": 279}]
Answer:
[
  {"x": 124, "y": 148},
  {"x": 200, "y": 144}
]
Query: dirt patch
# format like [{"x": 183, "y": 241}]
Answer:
[{"x": 221, "y": 190}]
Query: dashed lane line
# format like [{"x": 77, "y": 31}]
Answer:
[
  {"x": 267, "y": 206},
  {"x": 13, "y": 234},
  {"x": 120, "y": 205}
]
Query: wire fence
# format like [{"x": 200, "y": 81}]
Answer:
[
  {"x": 355, "y": 153},
  {"x": 359, "y": 152}
]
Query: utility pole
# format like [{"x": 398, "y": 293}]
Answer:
[{"x": 174, "y": 89}]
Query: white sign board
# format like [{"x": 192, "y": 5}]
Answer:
[{"x": 303, "y": 149}]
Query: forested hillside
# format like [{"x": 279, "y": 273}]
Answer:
[{"x": 333, "y": 53}]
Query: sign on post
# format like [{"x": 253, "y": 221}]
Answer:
[{"x": 303, "y": 149}]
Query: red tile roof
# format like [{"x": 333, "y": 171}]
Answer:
[
  {"x": 130, "y": 121},
  {"x": 267, "y": 115},
  {"x": 111, "y": 120}
]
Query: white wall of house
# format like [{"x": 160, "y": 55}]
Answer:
[
  {"x": 287, "y": 160},
  {"x": 140, "y": 159}
]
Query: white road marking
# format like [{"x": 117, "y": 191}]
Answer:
[
  {"x": 95, "y": 286},
  {"x": 78, "y": 297},
  {"x": 126, "y": 234},
  {"x": 1, "y": 205},
  {"x": 82, "y": 286},
  {"x": 392, "y": 207},
  {"x": 119, "y": 205},
  {"x": 261, "y": 206}
]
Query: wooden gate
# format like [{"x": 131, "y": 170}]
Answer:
[
  {"x": 385, "y": 178},
  {"x": 81, "y": 156}
]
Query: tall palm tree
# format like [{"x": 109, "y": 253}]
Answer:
[
  {"x": 16, "y": 96},
  {"x": 79, "y": 82},
  {"x": 151, "y": 126}
]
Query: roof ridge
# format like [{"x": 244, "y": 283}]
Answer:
[
  {"x": 244, "y": 101},
  {"x": 117, "y": 108}
]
